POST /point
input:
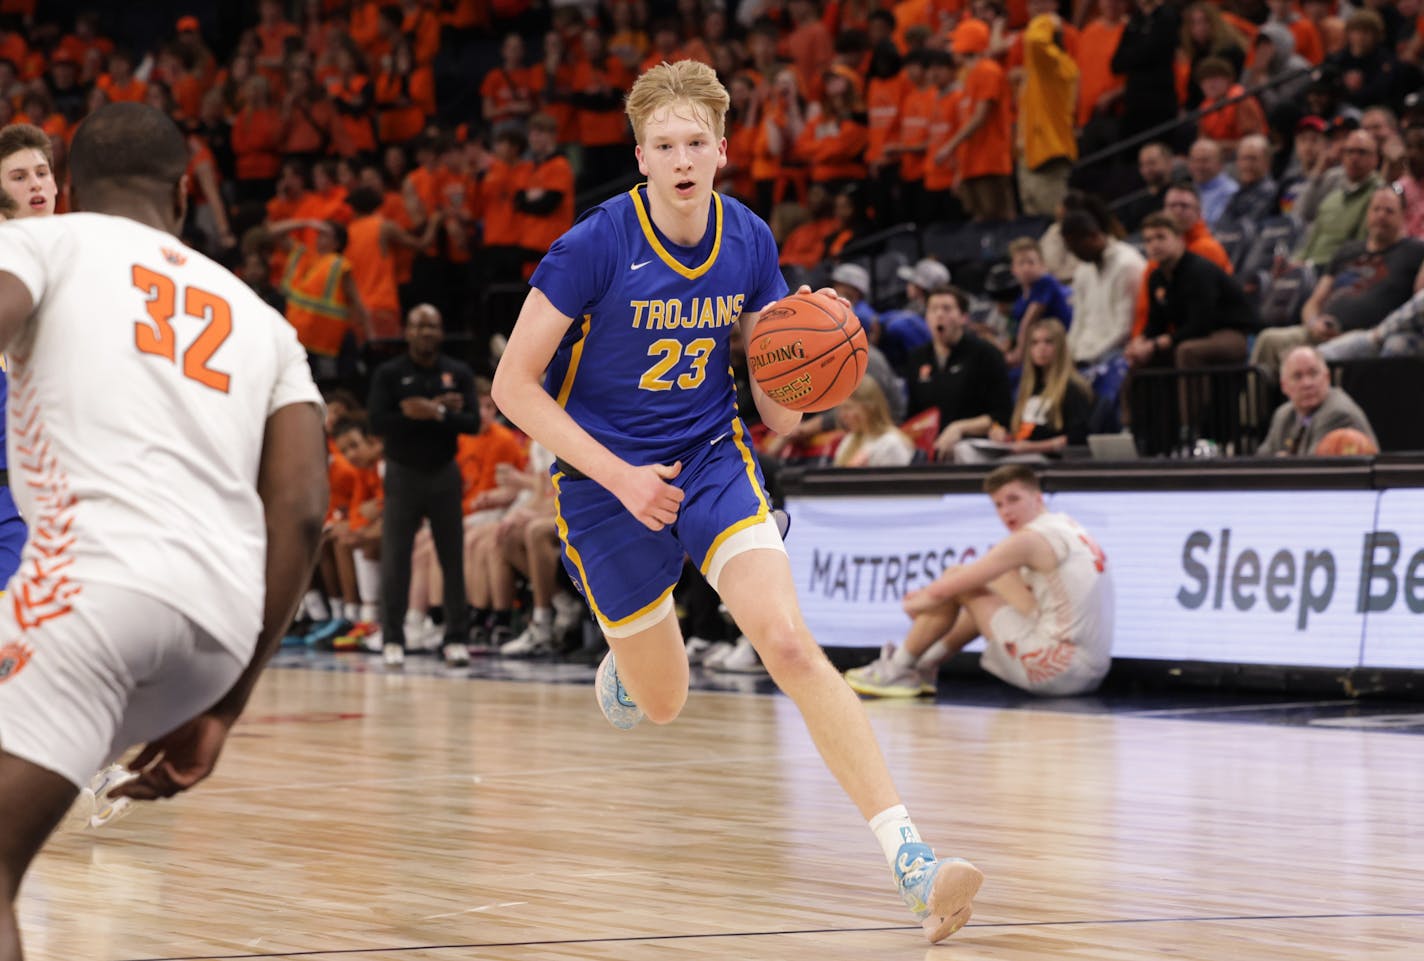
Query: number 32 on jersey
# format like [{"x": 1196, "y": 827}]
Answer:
[{"x": 156, "y": 336}]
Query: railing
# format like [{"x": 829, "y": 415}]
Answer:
[{"x": 1173, "y": 412}]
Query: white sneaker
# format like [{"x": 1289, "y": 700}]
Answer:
[
  {"x": 569, "y": 612},
  {"x": 743, "y": 659},
  {"x": 373, "y": 643},
  {"x": 697, "y": 649},
  {"x": 717, "y": 653},
  {"x": 424, "y": 635},
  {"x": 536, "y": 639},
  {"x": 456, "y": 655},
  {"x": 95, "y": 809},
  {"x": 393, "y": 655}
]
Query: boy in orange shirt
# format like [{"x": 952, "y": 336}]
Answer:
[{"x": 986, "y": 161}]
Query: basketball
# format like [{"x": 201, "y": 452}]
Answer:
[
  {"x": 808, "y": 352},
  {"x": 1346, "y": 442}
]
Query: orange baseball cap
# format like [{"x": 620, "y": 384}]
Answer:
[
  {"x": 971, "y": 36},
  {"x": 186, "y": 24}
]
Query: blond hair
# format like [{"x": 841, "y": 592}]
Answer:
[
  {"x": 685, "y": 82},
  {"x": 1053, "y": 383},
  {"x": 871, "y": 399}
]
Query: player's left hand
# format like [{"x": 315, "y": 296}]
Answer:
[
  {"x": 825, "y": 292},
  {"x": 176, "y": 761}
]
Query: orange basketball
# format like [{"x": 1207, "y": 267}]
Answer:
[
  {"x": 1346, "y": 442},
  {"x": 808, "y": 352}
]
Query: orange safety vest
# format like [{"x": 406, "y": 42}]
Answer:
[{"x": 316, "y": 300}]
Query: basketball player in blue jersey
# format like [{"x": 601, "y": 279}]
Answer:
[
  {"x": 27, "y": 181},
  {"x": 620, "y": 364}
]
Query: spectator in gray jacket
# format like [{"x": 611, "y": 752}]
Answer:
[{"x": 1313, "y": 408}]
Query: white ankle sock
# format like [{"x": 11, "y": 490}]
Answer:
[
  {"x": 543, "y": 616},
  {"x": 370, "y": 612},
  {"x": 903, "y": 658},
  {"x": 892, "y": 828},
  {"x": 314, "y": 606},
  {"x": 934, "y": 655},
  {"x": 351, "y": 612}
]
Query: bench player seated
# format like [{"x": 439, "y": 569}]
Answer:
[{"x": 1041, "y": 598}]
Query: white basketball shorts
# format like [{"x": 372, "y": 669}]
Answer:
[
  {"x": 1018, "y": 652},
  {"x": 119, "y": 668}
]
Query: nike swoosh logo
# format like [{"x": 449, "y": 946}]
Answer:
[
  {"x": 640, "y": 266},
  {"x": 719, "y": 438}
]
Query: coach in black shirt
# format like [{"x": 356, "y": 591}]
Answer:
[
  {"x": 957, "y": 372},
  {"x": 420, "y": 404}
]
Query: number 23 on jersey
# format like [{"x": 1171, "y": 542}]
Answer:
[{"x": 156, "y": 336}]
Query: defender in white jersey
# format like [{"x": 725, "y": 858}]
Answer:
[
  {"x": 165, "y": 441},
  {"x": 1042, "y": 598}
]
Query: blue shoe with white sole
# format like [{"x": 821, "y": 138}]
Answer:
[
  {"x": 613, "y": 700},
  {"x": 940, "y": 893}
]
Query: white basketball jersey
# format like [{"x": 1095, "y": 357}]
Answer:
[
  {"x": 139, "y": 394},
  {"x": 1075, "y": 599}
]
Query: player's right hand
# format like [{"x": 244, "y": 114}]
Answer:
[
  {"x": 176, "y": 761},
  {"x": 648, "y": 496}
]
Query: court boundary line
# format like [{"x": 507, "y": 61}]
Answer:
[{"x": 872, "y": 929}]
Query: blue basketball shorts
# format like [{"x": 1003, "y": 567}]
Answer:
[
  {"x": 12, "y": 537},
  {"x": 626, "y": 571}
]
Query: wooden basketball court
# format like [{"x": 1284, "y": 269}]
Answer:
[{"x": 361, "y": 815}]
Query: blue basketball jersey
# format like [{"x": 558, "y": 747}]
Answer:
[{"x": 646, "y": 366}]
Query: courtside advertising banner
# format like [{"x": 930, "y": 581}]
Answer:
[
  {"x": 1392, "y": 588},
  {"x": 854, "y": 558},
  {"x": 1246, "y": 577},
  {"x": 1251, "y": 577}
]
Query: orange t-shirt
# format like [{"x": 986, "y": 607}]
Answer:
[
  {"x": 806, "y": 245},
  {"x": 274, "y": 38},
  {"x": 989, "y": 150},
  {"x": 915, "y": 113},
  {"x": 504, "y": 87},
  {"x": 255, "y": 142},
  {"x": 1234, "y": 122},
  {"x": 351, "y": 134},
  {"x": 765, "y": 164},
  {"x": 480, "y": 454},
  {"x": 1095, "y": 77},
  {"x": 833, "y": 148},
  {"x": 400, "y": 122},
  {"x": 132, "y": 92},
  {"x": 1307, "y": 41},
  {"x": 602, "y": 128},
  {"x": 944, "y": 121},
  {"x": 539, "y": 233},
  {"x": 341, "y": 479},
  {"x": 741, "y": 153},
  {"x": 422, "y": 25},
  {"x": 368, "y": 487},
  {"x": 882, "y": 105},
  {"x": 562, "y": 111},
  {"x": 810, "y": 48},
  {"x": 373, "y": 268},
  {"x": 503, "y": 223}
]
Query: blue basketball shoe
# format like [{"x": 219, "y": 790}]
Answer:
[
  {"x": 613, "y": 700},
  {"x": 940, "y": 893}
]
